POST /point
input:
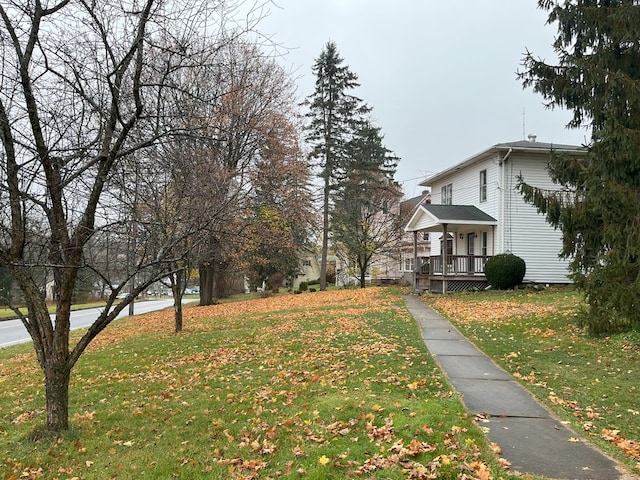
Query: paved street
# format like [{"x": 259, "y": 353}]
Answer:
[{"x": 13, "y": 331}]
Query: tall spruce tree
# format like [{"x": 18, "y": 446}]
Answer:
[
  {"x": 364, "y": 220},
  {"x": 598, "y": 208},
  {"x": 332, "y": 119}
]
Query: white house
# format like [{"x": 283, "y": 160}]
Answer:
[{"x": 477, "y": 207}]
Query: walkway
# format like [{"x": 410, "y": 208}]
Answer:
[{"x": 531, "y": 438}]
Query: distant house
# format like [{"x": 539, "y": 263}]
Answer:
[
  {"x": 308, "y": 268},
  {"x": 415, "y": 248},
  {"x": 476, "y": 212},
  {"x": 394, "y": 262}
]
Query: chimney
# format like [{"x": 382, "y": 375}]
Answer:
[{"x": 532, "y": 138}]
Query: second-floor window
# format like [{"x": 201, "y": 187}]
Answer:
[
  {"x": 447, "y": 194},
  {"x": 483, "y": 185}
]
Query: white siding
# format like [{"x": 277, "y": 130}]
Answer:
[
  {"x": 520, "y": 230},
  {"x": 527, "y": 234},
  {"x": 466, "y": 191}
]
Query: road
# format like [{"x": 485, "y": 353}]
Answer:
[{"x": 13, "y": 331}]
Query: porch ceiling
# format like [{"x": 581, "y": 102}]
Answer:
[{"x": 432, "y": 218}]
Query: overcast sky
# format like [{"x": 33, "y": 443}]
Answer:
[{"x": 440, "y": 76}]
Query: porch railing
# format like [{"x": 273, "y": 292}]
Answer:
[{"x": 456, "y": 265}]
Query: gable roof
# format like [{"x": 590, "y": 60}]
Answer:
[
  {"x": 409, "y": 206},
  {"x": 433, "y": 217},
  {"x": 526, "y": 146}
]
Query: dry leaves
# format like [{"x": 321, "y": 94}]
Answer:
[
  {"x": 487, "y": 311},
  {"x": 261, "y": 379}
]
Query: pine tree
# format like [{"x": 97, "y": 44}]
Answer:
[
  {"x": 598, "y": 209},
  {"x": 364, "y": 219},
  {"x": 333, "y": 116}
]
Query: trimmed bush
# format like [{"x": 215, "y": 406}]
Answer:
[
  {"x": 303, "y": 286},
  {"x": 505, "y": 271}
]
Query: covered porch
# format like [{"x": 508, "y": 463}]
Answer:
[{"x": 459, "y": 253}]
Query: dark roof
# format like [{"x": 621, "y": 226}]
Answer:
[
  {"x": 458, "y": 213},
  {"x": 407, "y": 207},
  {"x": 415, "y": 201}
]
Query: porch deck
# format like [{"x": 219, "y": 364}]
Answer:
[{"x": 463, "y": 272}]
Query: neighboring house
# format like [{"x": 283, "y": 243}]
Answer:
[
  {"x": 476, "y": 207},
  {"x": 415, "y": 247},
  {"x": 309, "y": 268},
  {"x": 393, "y": 263}
]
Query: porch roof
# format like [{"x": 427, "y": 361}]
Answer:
[{"x": 433, "y": 217}]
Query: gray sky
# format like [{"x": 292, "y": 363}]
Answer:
[{"x": 440, "y": 75}]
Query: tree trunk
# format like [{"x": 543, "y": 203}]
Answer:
[
  {"x": 221, "y": 281},
  {"x": 325, "y": 236},
  {"x": 57, "y": 375},
  {"x": 207, "y": 274},
  {"x": 176, "y": 289},
  {"x": 178, "y": 313},
  {"x": 132, "y": 304}
]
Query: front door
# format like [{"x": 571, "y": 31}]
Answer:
[{"x": 471, "y": 252}]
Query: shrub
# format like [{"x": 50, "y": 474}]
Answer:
[
  {"x": 303, "y": 286},
  {"x": 505, "y": 270}
]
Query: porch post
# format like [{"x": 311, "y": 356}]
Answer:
[
  {"x": 493, "y": 238},
  {"x": 443, "y": 246},
  {"x": 415, "y": 259}
]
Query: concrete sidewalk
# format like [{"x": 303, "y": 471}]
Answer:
[{"x": 531, "y": 438}]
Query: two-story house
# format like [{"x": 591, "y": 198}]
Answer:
[{"x": 476, "y": 211}]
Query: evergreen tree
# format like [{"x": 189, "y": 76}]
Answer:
[
  {"x": 333, "y": 116},
  {"x": 598, "y": 208},
  {"x": 366, "y": 217}
]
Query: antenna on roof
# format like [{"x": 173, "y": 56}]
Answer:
[{"x": 524, "y": 121}]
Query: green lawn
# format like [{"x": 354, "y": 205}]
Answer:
[
  {"x": 590, "y": 382},
  {"x": 320, "y": 386}
]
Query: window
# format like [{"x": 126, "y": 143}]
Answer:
[
  {"x": 408, "y": 264},
  {"x": 447, "y": 195},
  {"x": 450, "y": 245},
  {"x": 483, "y": 185},
  {"x": 484, "y": 243},
  {"x": 306, "y": 263}
]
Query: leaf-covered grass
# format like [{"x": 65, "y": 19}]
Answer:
[
  {"x": 590, "y": 382},
  {"x": 320, "y": 385}
]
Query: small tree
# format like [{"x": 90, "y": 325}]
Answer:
[{"x": 85, "y": 85}]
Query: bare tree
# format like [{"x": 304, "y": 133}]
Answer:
[
  {"x": 83, "y": 86},
  {"x": 242, "y": 97}
]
